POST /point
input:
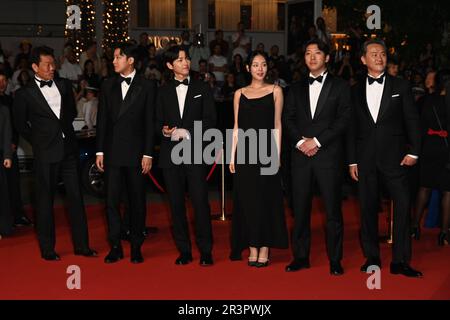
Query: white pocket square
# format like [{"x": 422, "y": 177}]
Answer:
[
  {"x": 395, "y": 95},
  {"x": 197, "y": 96}
]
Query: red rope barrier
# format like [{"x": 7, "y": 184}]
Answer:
[
  {"x": 156, "y": 182},
  {"x": 207, "y": 177}
]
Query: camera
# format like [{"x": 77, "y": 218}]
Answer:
[{"x": 199, "y": 40}]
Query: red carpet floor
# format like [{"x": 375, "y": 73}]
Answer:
[{"x": 24, "y": 275}]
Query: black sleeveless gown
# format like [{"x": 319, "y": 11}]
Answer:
[{"x": 258, "y": 211}]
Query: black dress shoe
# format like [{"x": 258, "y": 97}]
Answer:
[
  {"x": 136, "y": 255},
  {"x": 252, "y": 263},
  {"x": 297, "y": 265},
  {"x": 114, "y": 255},
  {"x": 51, "y": 256},
  {"x": 206, "y": 260},
  {"x": 260, "y": 264},
  {"x": 86, "y": 253},
  {"x": 405, "y": 269},
  {"x": 184, "y": 258},
  {"x": 22, "y": 221},
  {"x": 336, "y": 269},
  {"x": 370, "y": 262}
]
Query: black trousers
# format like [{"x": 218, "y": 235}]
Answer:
[
  {"x": 329, "y": 182},
  {"x": 15, "y": 194},
  {"x": 175, "y": 179},
  {"x": 47, "y": 175},
  {"x": 131, "y": 180},
  {"x": 396, "y": 181}
]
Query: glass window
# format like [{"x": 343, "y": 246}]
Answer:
[
  {"x": 265, "y": 15},
  {"x": 163, "y": 13}
]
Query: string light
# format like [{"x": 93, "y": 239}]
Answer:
[
  {"x": 115, "y": 22},
  {"x": 80, "y": 38}
]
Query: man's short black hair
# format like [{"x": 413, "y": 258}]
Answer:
[
  {"x": 173, "y": 53},
  {"x": 37, "y": 52},
  {"x": 372, "y": 41},
  {"x": 129, "y": 50},
  {"x": 320, "y": 44},
  {"x": 202, "y": 61}
]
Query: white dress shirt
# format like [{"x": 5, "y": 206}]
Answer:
[
  {"x": 90, "y": 113},
  {"x": 181, "y": 90},
  {"x": 125, "y": 86},
  {"x": 374, "y": 93},
  {"x": 181, "y": 96},
  {"x": 52, "y": 95},
  {"x": 314, "y": 93}
]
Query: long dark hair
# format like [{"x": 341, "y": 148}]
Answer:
[{"x": 254, "y": 54}]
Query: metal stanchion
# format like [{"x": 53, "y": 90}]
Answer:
[
  {"x": 222, "y": 216},
  {"x": 388, "y": 238},
  {"x": 391, "y": 224}
]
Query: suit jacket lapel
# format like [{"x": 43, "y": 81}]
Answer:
[
  {"x": 305, "y": 101},
  {"x": 326, "y": 88},
  {"x": 363, "y": 99},
  {"x": 189, "y": 98},
  {"x": 131, "y": 96},
  {"x": 39, "y": 97},
  {"x": 173, "y": 97},
  {"x": 116, "y": 101},
  {"x": 62, "y": 89},
  {"x": 386, "y": 98}
]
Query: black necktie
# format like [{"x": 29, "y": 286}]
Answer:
[
  {"x": 372, "y": 80},
  {"x": 318, "y": 79},
  {"x": 44, "y": 83},
  {"x": 185, "y": 82},
  {"x": 127, "y": 80}
]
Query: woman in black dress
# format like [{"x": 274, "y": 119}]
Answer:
[
  {"x": 258, "y": 212},
  {"x": 435, "y": 156}
]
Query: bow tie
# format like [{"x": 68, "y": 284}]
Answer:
[
  {"x": 372, "y": 80},
  {"x": 127, "y": 80},
  {"x": 185, "y": 82},
  {"x": 44, "y": 83},
  {"x": 318, "y": 79}
]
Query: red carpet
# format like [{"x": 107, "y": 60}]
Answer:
[{"x": 24, "y": 275}]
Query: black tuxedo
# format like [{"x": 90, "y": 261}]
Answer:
[
  {"x": 53, "y": 155},
  {"x": 328, "y": 126},
  {"x": 125, "y": 133},
  {"x": 199, "y": 106},
  {"x": 378, "y": 148}
]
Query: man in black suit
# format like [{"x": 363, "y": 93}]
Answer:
[
  {"x": 13, "y": 175},
  {"x": 44, "y": 111},
  {"x": 383, "y": 142},
  {"x": 125, "y": 135},
  {"x": 181, "y": 102},
  {"x": 317, "y": 113}
]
